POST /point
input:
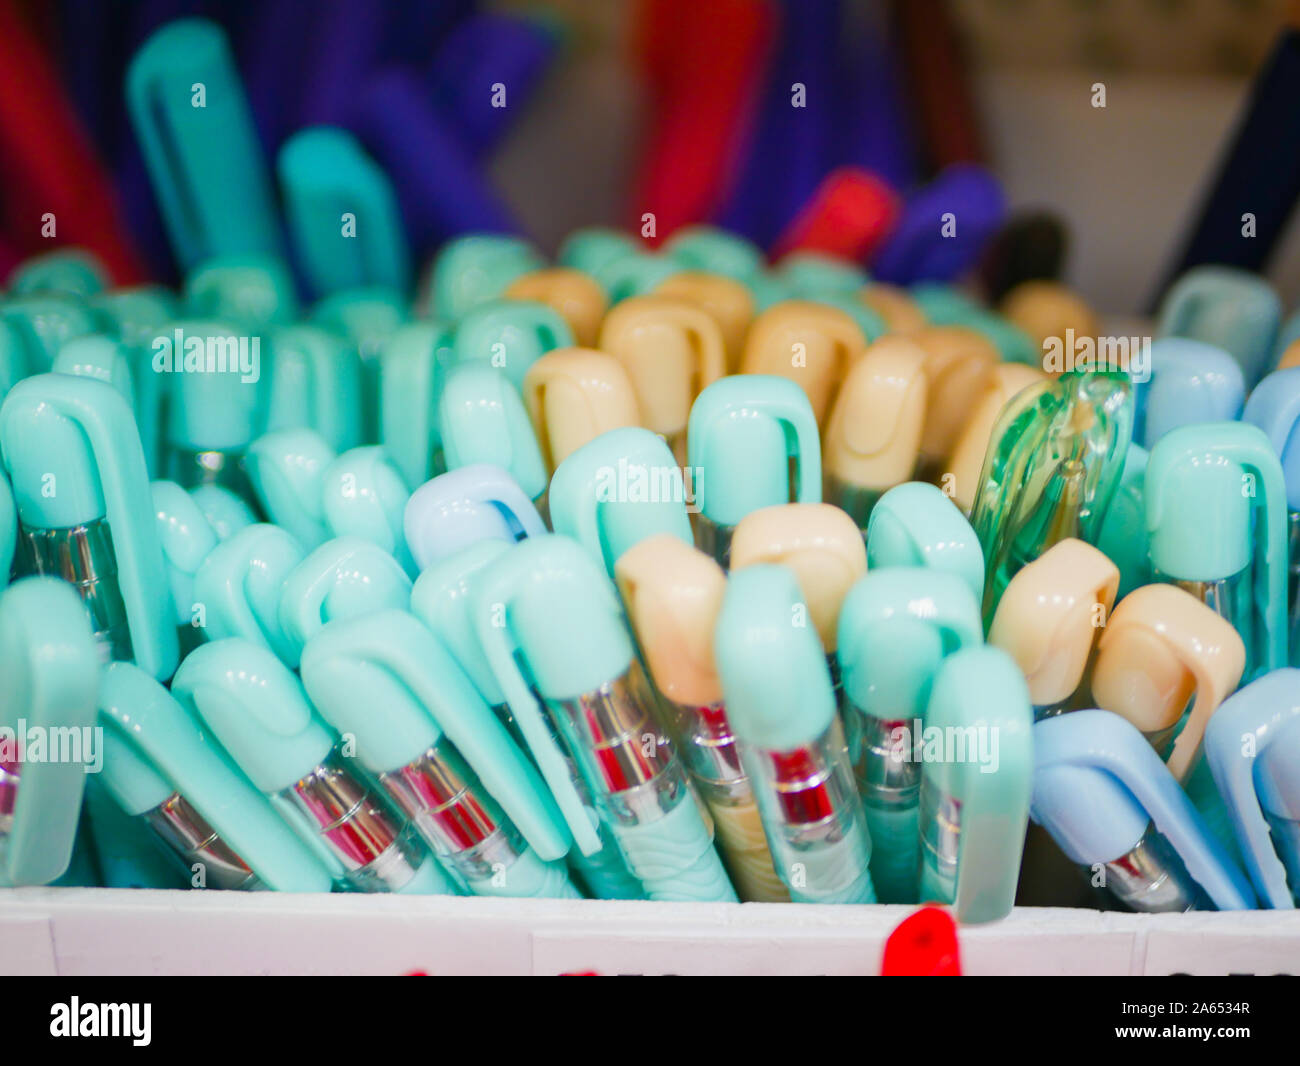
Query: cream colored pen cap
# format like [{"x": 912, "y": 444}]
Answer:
[
  {"x": 812, "y": 344},
  {"x": 672, "y": 594},
  {"x": 901, "y": 313},
  {"x": 819, "y": 542},
  {"x": 960, "y": 360},
  {"x": 574, "y": 395},
  {"x": 576, "y": 297},
  {"x": 873, "y": 435},
  {"x": 1290, "y": 356},
  {"x": 1046, "y": 309},
  {"x": 1048, "y": 617},
  {"x": 1160, "y": 645},
  {"x": 967, "y": 459},
  {"x": 671, "y": 349},
  {"x": 728, "y": 301}
]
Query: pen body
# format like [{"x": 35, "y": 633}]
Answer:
[
  {"x": 187, "y": 834},
  {"x": 885, "y": 755}
]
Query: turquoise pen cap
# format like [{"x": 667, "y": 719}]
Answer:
[
  {"x": 344, "y": 578},
  {"x": 476, "y": 268},
  {"x": 168, "y": 743},
  {"x": 256, "y": 708},
  {"x": 944, "y": 305},
  {"x": 364, "y": 496},
  {"x": 1190, "y": 382},
  {"x": 366, "y": 317},
  {"x": 510, "y": 335},
  {"x": 871, "y": 323},
  {"x": 74, "y": 457},
  {"x": 342, "y": 213},
  {"x": 1012, "y": 342},
  {"x": 97, "y": 356},
  {"x": 546, "y": 607},
  {"x": 466, "y": 505},
  {"x": 237, "y": 587},
  {"x": 1236, "y": 310},
  {"x": 214, "y": 402},
  {"x": 314, "y": 382},
  {"x": 42, "y": 324},
  {"x": 981, "y": 693},
  {"x": 194, "y": 125},
  {"x": 635, "y": 274},
  {"x": 71, "y": 271},
  {"x": 254, "y": 290},
  {"x": 1098, "y": 785},
  {"x": 1123, "y": 538},
  {"x": 769, "y": 288},
  {"x": 13, "y": 358},
  {"x": 1215, "y": 498},
  {"x": 286, "y": 468},
  {"x": 389, "y": 682},
  {"x": 482, "y": 419},
  {"x": 8, "y": 528},
  {"x": 51, "y": 670},
  {"x": 1274, "y": 407},
  {"x": 896, "y": 625},
  {"x": 1239, "y": 744},
  {"x": 135, "y": 313},
  {"x": 617, "y": 490},
  {"x": 442, "y": 599},
  {"x": 743, "y": 433},
  {"x": 915, "y": 524},
  {"x": 186, "y": 539},
  {"x": 771, "y": 662},
  {"x": 592, "y": 248},
  {"x": 226, "y": 513},
  {"x": 809, "y": 275},
  {"x": 715, "y": 251},
  {"x": 412, "y": 365}
]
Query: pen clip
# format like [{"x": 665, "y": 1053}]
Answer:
[
  {"x": 316, "y": 378},
  {"x": 1236, "y": 310},
  {"x": 461, "y": 506},
  {"x": 186, "y": 539},
  {"x": 475, "y": 268},
  {"x": 915, "y": 524},
  {"x": 481, "y": 419},
  {"x": 412, "y": 363},
  {"x": 510, "y": 336},
  {"x": 1190, "y": 382},
  {"x": 1274, "y": 406},
  {"x": 286, "y": 468},
  {"x": 252, "y": 290},
  {"x": 97, "y": 356},
  {"x": 574, "y": 395},
  {"x": 363, "y": 495}
]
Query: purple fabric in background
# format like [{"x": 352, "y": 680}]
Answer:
[
  {"x": 343, "y": 45},
  {"x": 873, "y": 129}
]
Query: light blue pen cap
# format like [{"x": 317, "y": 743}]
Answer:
[
  {"x": 442, "y": 599},
  {"x": 226, "y": 513},
  {"x": 388, "y": 682},
  {"x": 617, "y": 490},
  {"x": 476, "y": 268},
  {"x": 71, "y": 271},
  {"x": 189, "y": 112},
  {"x": 342, "y": 213},
  {"x": 41, "y": 324},
  {"x": 412, "y": 364},
  {"x": 51, "y": 670},
  {"x": 1235, "y": 310},
  {"x": 346, "y": 577},
  {"x": 363, "y": 495},
  {"x": 510, "y": 335},
  {"x": 186, "y": 539},
  {"x": 744, "y": 432},
  {"x": 771, "y": 662},
  {"x": 1215, "y": 499},
  {"x": 591, "y": 248},
  {"x": 251, "y": 289},
  {"x": 482, "y": 419},
  {"x": 97, "y": 356},
  {"x": 1252, "y": 745},
  {"x": 636, "y": 274},
  {"x": 1190, "y": 382},
  {"x": 286, "y": 468},
  {"x": 809, "y": 275},
  {"x": 1274, "y": 406},
  {"x": 1098, "y": 785},
  {"x": 916, "y": 524},
  {"x": 545, "y": 607},
  {"x": 149, "y": 736},
  {"x": 74, "y": 458},
  {"x": 8, "y": 527},
  {"x": 715, "y": 251},
  {"x": 979, "y": 694},
  {"x": 237, "y": 587},
  {"x": 315, "y": 382},
  {"x": 464, "y": 506}
]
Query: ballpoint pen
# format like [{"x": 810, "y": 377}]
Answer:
[
  {"x": 812, "y": 344},
  {"x": 42, "y": 323},
  {"x": 1274, "y": 407},
  {"x": 226, "y": 513},
  {"x": 314, "y": 382},
  {"x": 51, "y": 667},
  {"x": 476, "y": 268},
  {"x": 1055, "y": 459},
  {"x": 1048, "y": 620},
  {"x": 915, "y": 524},
  {"x": 1216, "y": 514},
  {"x": 252, "y": 291},
  {"x": 1047, "y": 310},
  {"x": 961, "y": 474},
  {"x": 286, "y": 469},
  {"x": 780, "y": 705},
  {"x": 895, "y": 628},
  {"x": 752, "y": 442},
  {"x": 1190, "y": 382},
  {"x": 895, "y": 305},
  {"x": 729, "y": 302},
  {"x": 1232, "y": 309},
  {"x": 715, "y": 251},
  {"x": 99, "y": 357},
  {"x": 193, "y": 122},
  {"x": 363, "y": 495},
  {"x": 1103, "y": 794},
  {"x": 635, "y": 274},
  {"x": 509, "y": 335},
  {"x": 574, "y": 395},
  {"x": 621, "y": 488},
  {"x": 593, "y": 247},
  {"x": 563, "y": 628},
  {"x": 974, "y": 798},
  {"x": 945, "y": 305},
  {"x": 811, "y": 274},
  {"x": 671, "y": 350},
  {"x": 958, "y": 365},
  {"x": 366, "y": 318},
  {"x": 441, "y": 758},
  {"x": 851, "y": 212},
  {"x": 1252, "y": 745},
  {"x": 463, "y": 506},
  {"x": 413, "y": 362},
  {"x": 72, "y": 271},
  {"x": 573, "y": 295},
  {"x": 873, "y": 436},
  {"x": 186, "y": 539},
  {"x": 673, "y": 593},
  {"x": 255, "y": 706},
  {"x": 78, "y": 475},
  {"x": 161, "y": 768}
]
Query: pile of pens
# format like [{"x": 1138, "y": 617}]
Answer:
[{"x": 673, "y": 572}]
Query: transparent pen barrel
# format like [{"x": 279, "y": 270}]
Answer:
[
  {"x": 193, "y": 467},
  {"x": 940, "y": 832},
  {"x": 187, "y": 834},
  {"x": 1232, "y": 598},
  {"x": 857, "y": 501}
]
